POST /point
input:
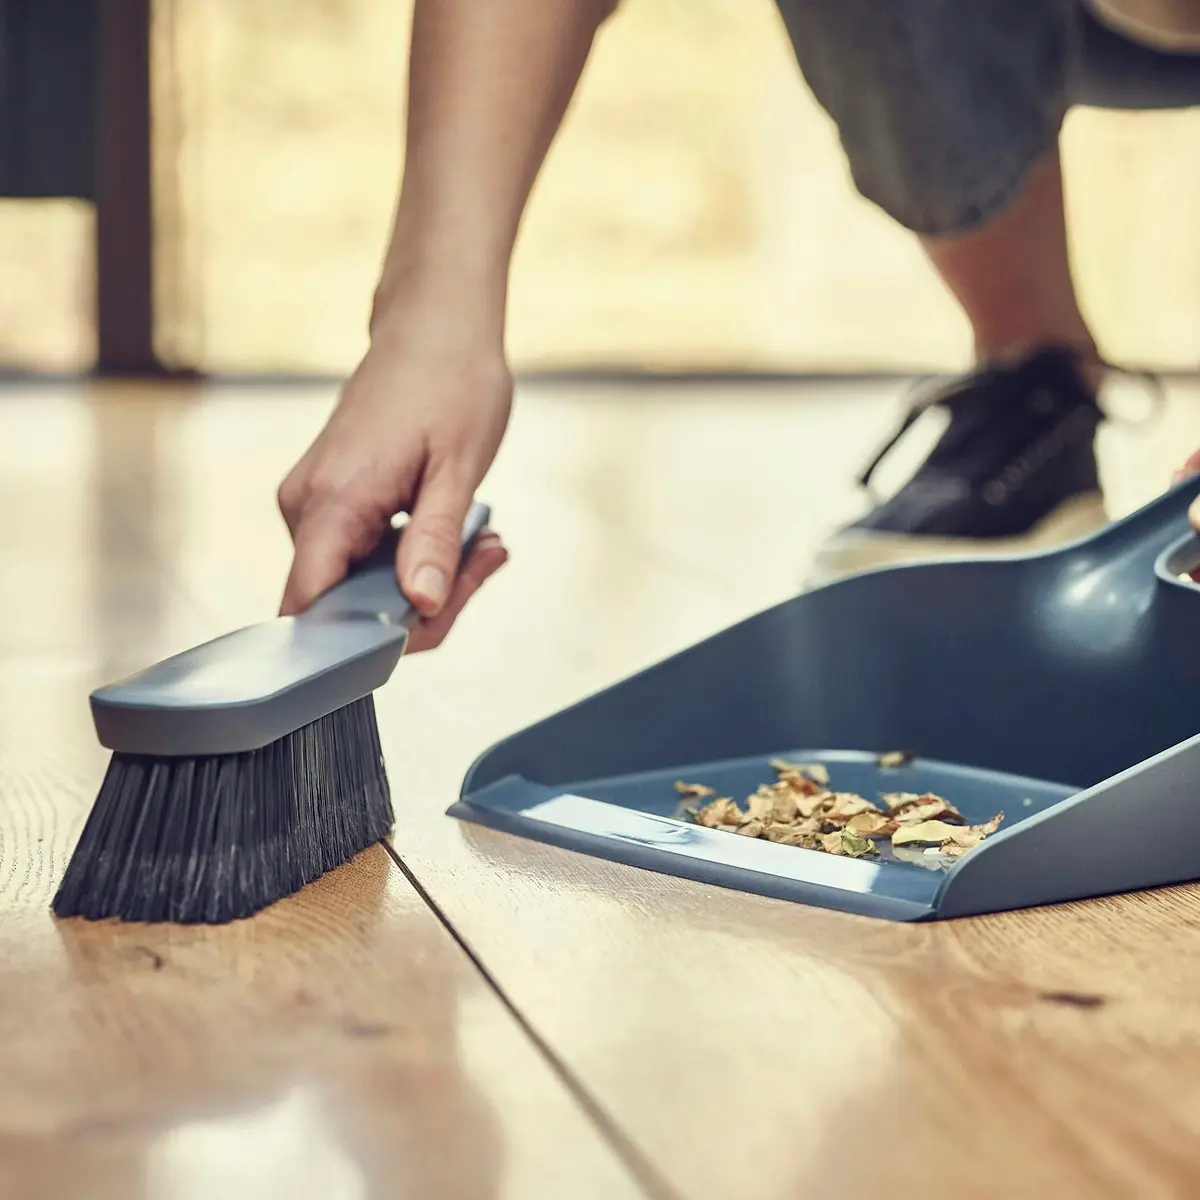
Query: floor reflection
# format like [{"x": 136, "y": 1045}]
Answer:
[{"x": 313, "y": 1051}]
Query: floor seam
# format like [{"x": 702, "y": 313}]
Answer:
[{"x": 643, "y": 1171}]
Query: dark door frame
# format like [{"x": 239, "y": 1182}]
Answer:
[{"x": 124, "y": 193}]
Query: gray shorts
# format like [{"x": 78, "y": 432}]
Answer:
[{"x": 944, "y": 106}]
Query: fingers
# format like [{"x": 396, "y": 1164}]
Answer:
[
  {"x": 487, "y": 557},
  {"x": 432, "y": 543},
  {"x": 327, "y": 537},
  {"x": 1189, "y": 468}
]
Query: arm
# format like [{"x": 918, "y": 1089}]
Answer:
[{"x": 419, "y": 422}]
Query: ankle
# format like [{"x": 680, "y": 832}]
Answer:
[{"x": 1009, "y": 352}]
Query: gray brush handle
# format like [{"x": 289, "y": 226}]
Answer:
[
  {"x": 370, "y": 588},
  {"x": 256, "y": 685}
]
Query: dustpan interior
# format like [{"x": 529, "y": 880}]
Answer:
[{"x": 978, "y": 794}]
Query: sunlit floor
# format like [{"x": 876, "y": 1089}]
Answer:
[{"x": 610, "y": 1033}]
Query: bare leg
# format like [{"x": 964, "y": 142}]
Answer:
[{"x": 1013, "y": 276}]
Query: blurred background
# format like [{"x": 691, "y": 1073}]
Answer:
[{"x": 695, "y": 213}]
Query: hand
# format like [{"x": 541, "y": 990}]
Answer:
[
  {"x": 415, "y": 430},
  {"x": 1191, "y": 467}
]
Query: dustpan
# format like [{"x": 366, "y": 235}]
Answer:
[{"x": 1062, "y": 687}]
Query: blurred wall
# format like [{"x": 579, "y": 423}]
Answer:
[{"x": 695, "y": 211}]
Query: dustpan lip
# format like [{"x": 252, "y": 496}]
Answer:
[{"x": 654, "y": 859}]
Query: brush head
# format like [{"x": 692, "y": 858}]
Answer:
[{"x": 213, "y": 838}]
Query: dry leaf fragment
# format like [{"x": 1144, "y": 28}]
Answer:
[
  {"x": 751, "y": 829},
  {"x": 800, "y": 785},
  {"x": 808, "y": 806},
  {"x": 903, "y": 806},
  {"x": 969, "y": 836},
  {"x": 696, "y": 790},
  {"x": 857, "y": 847},
  {"x": 928, "y": 833},
  {"x": 812, "y": 771},
  {"x": 721, "y": 811},
  {"x": 772, "y": 804},
  {"x": 895, "y": 758},
  {"x": 846, "y": 844},
  {"x": 793, "y": 835},
  {"x": 871, "y": 824},
  {"x": 930, "y": 808},
  {"x": 895, "y": 801},
  {"x": 841, "y": 806},
  {"x": 831, "y": 843},
  {"x": 784, "y": 807}
]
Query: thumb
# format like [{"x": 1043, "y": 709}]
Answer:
[
  {"x": 431, "y": 547},
  {"x": 327, "y": 539}
]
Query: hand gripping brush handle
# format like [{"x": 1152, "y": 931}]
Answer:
[
  {"x": 249, "y": 688},
  {"x": 247, "y": 767}
]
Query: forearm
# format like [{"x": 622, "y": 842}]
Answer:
[{"x": 488, "y": 86}]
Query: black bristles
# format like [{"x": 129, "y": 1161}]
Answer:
[{"x": 207, "y": 840}]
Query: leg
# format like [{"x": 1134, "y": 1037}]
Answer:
[
  {"x": 1012, "y": 276},
  {"x": 949, "y": 114}
]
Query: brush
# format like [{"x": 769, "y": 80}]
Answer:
[{"x": 247, "y": 767}]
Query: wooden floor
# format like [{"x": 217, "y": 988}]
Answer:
[{"x": 488, "y": 1018}]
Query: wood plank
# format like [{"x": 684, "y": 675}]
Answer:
[
  {"x": 341, "y": 1044},
  {"x": 747, "y": 1047}
]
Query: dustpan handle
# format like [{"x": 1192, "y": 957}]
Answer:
[
  {"x": 371, "y": 590},
  {"x": 1143, "y": 535}
]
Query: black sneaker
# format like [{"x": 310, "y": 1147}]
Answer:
[{"x": 1015, "y": 470}]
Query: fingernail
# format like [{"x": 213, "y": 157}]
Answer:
[
  {"x": 430, "y": 583},
  {"x": 1194, "y": 512}
]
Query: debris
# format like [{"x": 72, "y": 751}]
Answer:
[
  {"x": 871, "y": 824},
  {"x": 928, "y": 808},
  {"x": 813, "y": 771},
  {"x": 721, "y": 811},
  {"x": 798, "y": 809},
  {"x": 927, "y": 833},
  {"x": 895, "y": 758},
  {"x": 793, "y": 835},
  {"x": 858, "y": 847},
  {"x": 895, "y": 801},
  {"x": 841, "y": 806}
]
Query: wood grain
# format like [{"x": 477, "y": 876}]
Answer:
[
  {"x": 746, "y": 1047},
  {"x": 339, "y": 1045}
]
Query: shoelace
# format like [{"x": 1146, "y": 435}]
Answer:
[{"x": 940, "y": 394}]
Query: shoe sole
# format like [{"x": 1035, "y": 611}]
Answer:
[{"x": 857, "y": 550}]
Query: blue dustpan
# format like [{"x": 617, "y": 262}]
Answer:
[{"x": 1061, "y": 687}]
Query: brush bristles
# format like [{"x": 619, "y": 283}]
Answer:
[{"x": 207, "y": 840}]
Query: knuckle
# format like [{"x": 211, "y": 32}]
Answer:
[
  {"x": 290, "y": 498},
  {"x": 438, "y": 531},
  {"x": 324, "y": 487}
]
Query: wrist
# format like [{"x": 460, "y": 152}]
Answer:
[
  {"x": 438, "y": 314},
  {"x": 464, "y": 262},
  {"x": 459, "y": 306}
]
